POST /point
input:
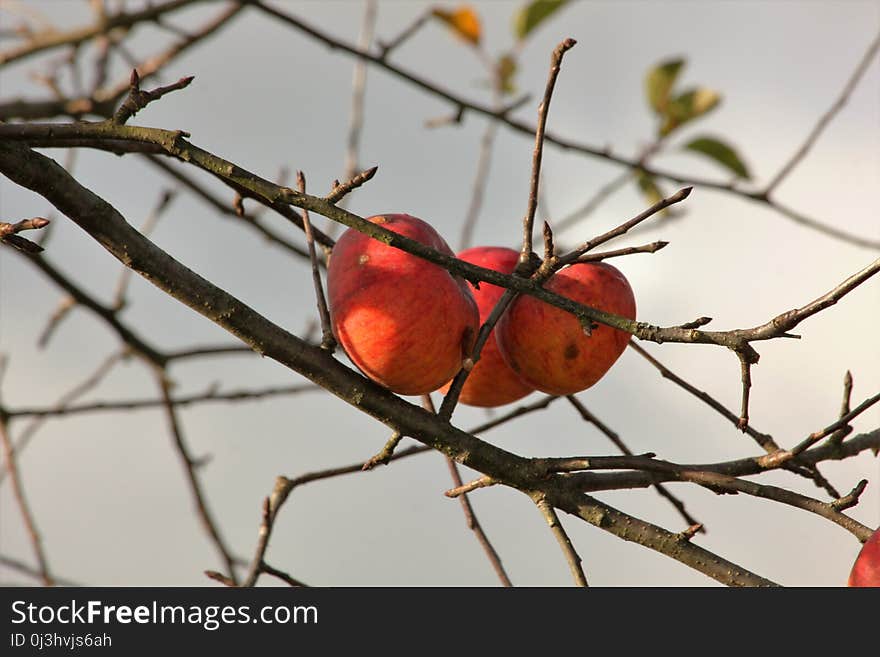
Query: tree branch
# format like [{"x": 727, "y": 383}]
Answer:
[
  {"x": 826, "y": 118},
  {"x": 503, "y": 116},
  {"x": 110, "y": 229}
]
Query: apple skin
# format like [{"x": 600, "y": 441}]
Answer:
[
  {"x": 406, "y": 323},
  {"x": 491, "y": 382},
  {"x": 866, "y": 568},
  {"x": 547, "y": 347}
]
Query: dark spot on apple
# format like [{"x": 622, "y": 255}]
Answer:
[{"x": 571, "y": 351}]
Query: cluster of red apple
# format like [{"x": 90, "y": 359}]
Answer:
[{"x": 409, "y": 324}]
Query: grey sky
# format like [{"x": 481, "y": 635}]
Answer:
[{"x": 107, "y": 490}]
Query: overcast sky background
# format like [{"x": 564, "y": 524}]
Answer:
[{"x": 107, "y": 490}]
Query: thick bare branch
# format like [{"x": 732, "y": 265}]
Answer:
[
  {"x": 104, "y": 223},
  {"x": 245, "y": 182}
]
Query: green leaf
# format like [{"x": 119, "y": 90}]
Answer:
[
  {"x": 506, "y": 70},
  {"x": 687, "y": 106},
  {"x": 659, "y": 82},
  {"x": 533, "y": 14},
  {"x": 722, "y": 153}
]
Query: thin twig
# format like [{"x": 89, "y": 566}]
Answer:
[
  {"x": 469, "y": 515},
  {"x": 851, "y": 498},
  {"x": 30, "y": 571},
  {"x": 66, "y": 304},
  {"x": 843, "y": 432},
  {"x": 189, "y": 353},
  {"x": 319, "y": 475},
  {"x": 138, "y": 99},
  {"x": 543, "y": 110},
  {"x": 549, "y": 245},
  {"x": 52, "y": 38},
  {"x": 225, "y": 580},
  {"x": 764, "y": 440},
  {"x": 450, "y": 400},
  {"x": 249, "y": 219},
  {"x": 601, "y": 195},
  {"x": 662, "y": 204},
  {"x": 9, "y": 234},
  {"x": 475, "y": 526},
  {"x": 102, "y": 101},
  {"x": 630, "y": 528},
  {"x": 614, "y": 437},
  {"x": 746, "y": 376},
  {"x": 23, "y": 506},
  {"x": 262, "y": 544},
  {"x": 284, "y": 577},
  {"x": 653, "y": 247},
  {"x": 478, "y": 187},
  {"x": 25, "y": 224},
  {"x": 461, "y": 489},
  {"x": 604, "y": 153},
  {"x": 571, "y": 555},
  {"x": 384, "y": 456},
  {"x": 826, "y": 118},
  {"x": 648, "y": 470},
  {"x": 782, "y": 456},
  {"x": 341, "y": 190},
  {"x": 358, "y": 94},
  {"x": 525, "y": 264},
  {"x": 385, "y": 48},
  {"x": 829, "y": 511},
  {"x": 126, "y": 334},
  {"x": 271, "y": 506},
  {"x": 63, "y": 402},
  {"x": 328, "y": 342},
  {"x": 189, "y": 466},
  {"x": 64, "y": 408}
]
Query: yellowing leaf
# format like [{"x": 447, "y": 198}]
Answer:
[
  {"x": 688, "y": 106},
  {"x": 659, "y": 82},
  {"x": 533, "y": 14},
  {"x": 463, "y": 21},
  {"x": 704, "y": 100}
]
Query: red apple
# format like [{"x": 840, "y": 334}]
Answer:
[
  {"x": 405, "y": 322},
  {"x": 491, "y": 382},
  {"x": 548, "y": 348},
  {"x": 866, "y": 569}
]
